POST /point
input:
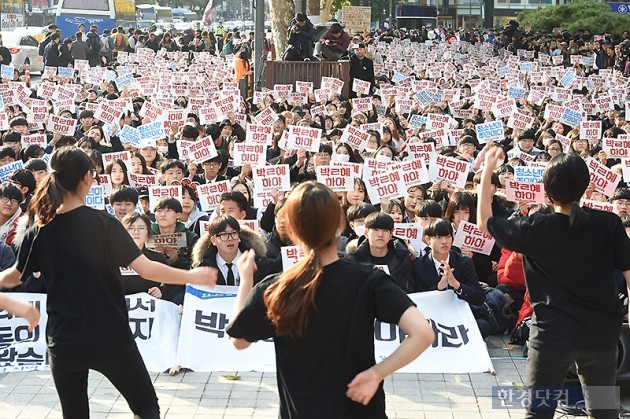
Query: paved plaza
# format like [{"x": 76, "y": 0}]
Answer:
[{"x": 195, "y": 395}]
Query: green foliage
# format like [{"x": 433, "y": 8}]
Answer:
[
  {"x": 578, "y": 14},
  {"x": 338, "y": 4}
]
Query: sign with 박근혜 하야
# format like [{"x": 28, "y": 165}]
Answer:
[
  {"x": 158, "y": 192},
  {"x": 337, "y": 178},
  {"x": 290, "y": 256},
  {"x": 448, "y": 169},
  {"x": 525, "y": 192},
  {"x": 202, "y": 150},
  {"x": 252, "y": 154},
  {"x": 388, "y": 184},
  {"x": 210, "y": 194},
  {"x": 604, "y": 179},
  {"x": 268, "y": 178},
  {"x": 173, "y": 240},
  {"x": 60, "y": 125},
  {"x": 468, "y": 235}
]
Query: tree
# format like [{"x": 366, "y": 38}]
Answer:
[
  {"x": 331, "y": 7},
  {"x": 281, "y": 11},
  {"x": 578, "y": 14}
]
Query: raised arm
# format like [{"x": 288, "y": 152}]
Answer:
[
  {"x": 159, "y": 272},
  {"x": 484, "y": 204}
]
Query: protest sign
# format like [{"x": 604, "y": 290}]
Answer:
[
  {"x": 388, "y": 184},
  {"x": 528, "y": 174},
  {"x": 354, "y": 136},
  {"x": 37, "y": 139},
  {"x": 151, "y": 131},
  {"x": 290, "y": 256},
  {"x": 604, "y": 179},
  {"x": 598, "y": 205},
  {"x": 61, "y": 125},
  {"x": 304, "y": 137},
  {"x": 158, "y": 192},
  {"x": 268, "y": 178},
  {"x": 412, "y": 234},
  {"x": 172, "y": 240},
  {"x": 451, "y": 170},
  {"x": 520, "y": 121},
  {"x": 138, "y": 180},
  {"x": 259, "y": 134},
  {"x": 490, "y": 131},
  {"x": 525, "y": 192},
  {"x": 414, "y": 172},
  {"x": 591, "y": 130},
  {"x": 202, "y": 150},
  {"x": 252, "y": 154},
  {"x": 616, "y": 147},
  {"x": 356, "y": 18},
  {"x": 339, "y": 179},
  {"x": 210, "y": 194},
  {"x": 470, "y": 236},
  {"x": 95, "y": 197}
]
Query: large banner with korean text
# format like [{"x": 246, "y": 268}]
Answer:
[{"x": 201, "y": 344}]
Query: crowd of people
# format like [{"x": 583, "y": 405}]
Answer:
[{"x": 427, "y": 87}]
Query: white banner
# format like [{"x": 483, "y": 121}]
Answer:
[
  {"x": 154, "y": 324},
  {"x": 201, "y": 344}
]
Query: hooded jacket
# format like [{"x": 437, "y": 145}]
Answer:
[
  {"x": 183, "y": 253},
  {"x": 400, "y": 266},
  {"x": 205, "y": 254}
]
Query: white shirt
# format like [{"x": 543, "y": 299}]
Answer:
[
  {"x": 221, "y": 263},
  {"x": 438, "y": 264}
]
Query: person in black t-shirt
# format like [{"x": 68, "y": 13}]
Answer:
[
  {"x": 569, "y": 258},
  {"x": 321, "y": 315},
  {"x": 88, "y": 322}
]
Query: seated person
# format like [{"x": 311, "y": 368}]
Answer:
[
  {"x": 10, "y": 211},
  {"x": 139, "y": 228},
  {"x": 25, "y": 181},
  {"x": 335, "y": 42},
  {"x": 279, "y": 236},
  {"x": 123, "y": 201},
  {"x": 356, "y": 222},
  {"x": 191, "y": 214},
  {"x": 7, "y": 156},
  {"x": 223, "y": 245},
  {"x": 443, "y": 268},
  {"x": 38, "y": 167},
  {"x": 379, "y": 247},
  {"x": 172, "y": 171}
]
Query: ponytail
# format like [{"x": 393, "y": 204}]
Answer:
[
  {"x": 578, "y": 216},
  {"x": 47, "y": 199},
  {"x": 289, "y": 299}
]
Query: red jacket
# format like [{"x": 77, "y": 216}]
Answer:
[{"x": 510, "y": 270}]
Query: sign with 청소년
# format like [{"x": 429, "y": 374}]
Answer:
[
  {"x": 210, "y": 194},
  {"x": 604, "y": 179},
  {"x": 290, "y": 256},
  {"x": 7, "y": 71},
  {"x": 490, "y": 131},
  {"x": 172, "y": 240},
  {"x": 525, "y": 192},
  {"x": 7, "y": 169},
  {"x": 95, "y": 197},
  {"x": 158, "y": 192},
  {"x": 388, "y": 184},
  {"x": 412, "y": 234},
  {"x": 354, "y": 136},
  {"x": 468, "y": 235},
  {"x": 268, "y": 178},
  {"x": 124, "y": 80},
  {"x": 259, "y": 134},
  {"x": 65, "y": 72},
  {"x": 528, "y": 174},
  {"x": 448, "y": 169},
  {"x": 129, "y": 135},
  {"x": 252, "y": 154},
  {"x": 356, "y": 18},
  {"x": 414, "y": 172},
  {"x": 515, "y": 92},
  {"x": 105, "y": 181},
  {"x": 152, "y": 130},
  {"x": 202, "y": 150},
  {"x": 598, "y": 205},
  {"x": 568, "y": 77},
  {"x": 304, "y": 137},
  {"x": 60, "y": 125},
  {"x": 339, "y": 179},
  {"x": 570, "y": 117}
]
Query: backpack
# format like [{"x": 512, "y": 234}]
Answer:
[
  {"x": 104, "y": 45},
  {"x": 496, "y": 311},
  {"x": 94, "y": 45}
]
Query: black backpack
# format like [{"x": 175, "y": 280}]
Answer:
[
  {"x": 94, "y": 45},
  {"x": 496, "y": 310}
]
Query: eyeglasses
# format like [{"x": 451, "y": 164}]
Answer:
[
  {"x": 624, "y": 203},
  {"x": 224, "y": 237},
  {"x": 6, "y": 200},
  {"x": 323, "y": 155},
  {"x": 140, "y": 229},
  {"x": 211, "y": 163},
  {"x": 553, "y": 149}
]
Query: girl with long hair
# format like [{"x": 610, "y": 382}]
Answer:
[
  {"x": 325, "y": 371},
  {"x": 79, "y": 252}
]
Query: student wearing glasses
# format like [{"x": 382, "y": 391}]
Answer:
[
  {"x": 224, "y": 244},
  {"x": 10, "y": 211},
  {"x": 210, "y": 173},
  {"x": 139, "y": 228},
  {"x": 93, "y": 332}
]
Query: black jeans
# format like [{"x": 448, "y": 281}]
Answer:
[
  {"x": 126, "y": 372},
  {"x": 597, "y": 370}
]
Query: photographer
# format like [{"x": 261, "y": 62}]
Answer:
[
  {"x": 300, "y": 38},
  {"x": 335, "y": 42}
]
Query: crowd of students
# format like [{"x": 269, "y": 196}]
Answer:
[{"x": 457, "y": 76}]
